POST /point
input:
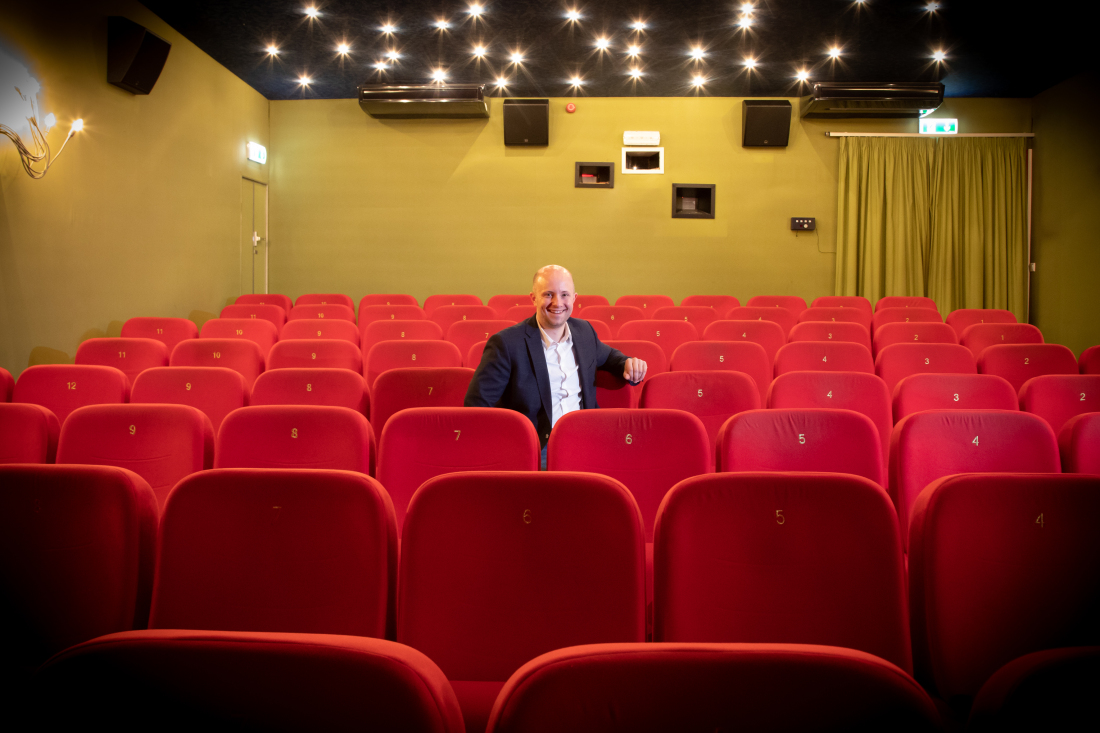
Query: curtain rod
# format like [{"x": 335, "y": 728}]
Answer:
[{"x": 917, "y": 134}]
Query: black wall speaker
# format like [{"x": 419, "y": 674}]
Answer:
[
  {"x": 526, "y": 121},
  {"x": 135, "y": 55},
  {"x": 765, "y": 123}
]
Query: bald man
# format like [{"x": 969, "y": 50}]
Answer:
[{"x": 545, "y": 367}]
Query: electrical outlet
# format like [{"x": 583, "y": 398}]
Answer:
[{"x": 803, "y": 223}]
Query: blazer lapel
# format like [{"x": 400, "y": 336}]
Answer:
[
  {"x": 582, "y": 363},
  {"x": 538, "y": 363}
]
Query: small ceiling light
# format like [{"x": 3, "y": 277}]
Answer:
[
  {"x": 602, "y": 43},
  {"x": 516, "y": 57},
  {"x": 572, "y": 15},
  {"x": 747, "y": 8},
  {"x": 939, "y": 55},
  {"x": 932, "y": 7},
  {"x": 698, "y": 81},
  {"x": 502, "y": 82},
  {"x": 479, "y": 51},
  {"x": 834, "y": 52},
  {"x": 745, "y": 21},
  {"x": 802, "y": 75},
  {"x": 438, "y": 75},
  {"x": 697, "y": 53},
  {"x": 273, "y": 50},
  {"x": 576, "y": 81},
  {"x": 388, "y": 28},
  {"x": 442, "y": 25},
  {"x": 393, "y": 55},
  {"x": 305, "y": 81},
  {"x": 312, "y": 11},
  {"x": 633, "y": 51},
  {"x": 635, "y": 73},
  {"x": 476, "y": 10},
  {"x": 750, "y": 63},
  {"x": 638, "y": 25},
  {"x": 343, "y": 49},
  {"x": 381, "y": 66}
]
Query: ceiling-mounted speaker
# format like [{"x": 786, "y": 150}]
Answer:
[
  {"x": 526, "y": 121},
  {"x": 765, "y": 123},
  {"x": 135, "y": 55}
]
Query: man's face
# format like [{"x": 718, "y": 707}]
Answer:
[{"x": 553, "y": 296}]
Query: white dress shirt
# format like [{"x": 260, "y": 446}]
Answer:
[{"x": 565, "y": 378}]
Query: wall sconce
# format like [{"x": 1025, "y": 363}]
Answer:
[{"x": 36, "y": 157}]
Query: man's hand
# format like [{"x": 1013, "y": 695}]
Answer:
[{"x": 634, "y": 370}]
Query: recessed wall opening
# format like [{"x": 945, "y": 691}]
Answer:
[
  {"x": 594, "y": 175},
  {"x": 643, "y": 160},
  {"x": 693, "y": 200}
]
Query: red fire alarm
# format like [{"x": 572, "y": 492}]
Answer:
[{"x": 570, "y": 108}]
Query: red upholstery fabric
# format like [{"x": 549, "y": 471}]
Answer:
[
  {"x": 262, "y": 333},
  {"x": 838, "y": 314},
  {"x": 613, "y": 316},
  {"x": 650, "y": 451},
  {"x": 1001, "y": 566},
  {"x": 319, "y": 328},
  {"x": 243, "y": 357},
  {"x": 1089, "y": 362},
  {"x": 160, "y": 443},
  {"x": 419, "y": 330},
  {"x": 802, "y": 439},
  {"x": 216, "y": 391},
  {"x": 722, "y": 304},
  {"x": 518, "y": 313},
  {"x": 445, "y": 315},
  {"x": 824, "y": 356},
  {"x": 712, "y": 396},
  {"x": 982, "y": 335},
  {"x": 612, "y": 390},
  {"x": 928, "y": 445},
  {"x": 282, "y": 301},
  {"x": 863, "y": 393},
  {"x": 905, "y": 301},
  {"x": 436, "y": 301},
  {"x": 1058, "y": 397},
  {"x": 473, "y": 356},
  {"x": 904, "y": 315},
  {"x": 396, "y": 312},
  {"x": 400, "y": 389},
  {"x": 699, "y": 316},
  {"x": 898, "y": 361},
  {"x": 169, "y": 331},
  {"x": 420, "y": 443},
  {"x": 217, "y": 680},
  {"x": 131, "y": 356},
  {"x": 294, "y": 436},
  {"x": 738, "y": 356},
  {"x": 28, "y": 434},
  {"x": 328, "y": 311},
  {"x": 792, "y": 557},
  {"x": 647, "y": 303},
  {"x": 465, "y": 334},
  {"x": 406, "y": 354},
  {"x": 786, "y": 688},
  {"x": 963, "y": 318},
  {"x": 669, "y": 334},
  {"x": 315, "y": 353},
  {"x": 325, "y": 299},
  {"x": 76, "y": 557},
  {"x": 845, "y": 301},
  {"x": 768, "y": 334},
  {"x": 785, "y": 318},
  {"x": 385, "y": 299},
  {"x": 502, "y": 303},
  {"x": 273, "y": 313},
  {"x": 61, "y": 388},
  {"x": 583, "y": 300},
  {"x": 914, "y": 333},
  {"x": 1020, "y": 362},
  {"x": 952, "y": 392},
  {"x": 270, "y": 550},
  {"x": 1079, "y": 444},
  {"x": 603, "y": 331},
  {"x": 497, "y": 568},
  {"x": 332, "y": 387},
  {"x": 854, "y": 333},
  {"x": 791, "y": 303},
  {"x": 7, "y": 385}
]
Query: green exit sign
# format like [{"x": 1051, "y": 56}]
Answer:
[{"x": 941, "y": 126}]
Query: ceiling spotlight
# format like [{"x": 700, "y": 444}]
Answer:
[
  {"x": 602, "y": 43},
  {"x": 573, "y": 15},
  {"x": 633, "y": 51},
  {"x": 442, "y": 25},
  {"x": 381, "y": 66},
  {"x": 305, "y": 80},
  {"x": 745, "y": 21},
  {"x": 750, "y": 63},
  {"x": 696, "y": 53},
  {"x": 576, "y": 81},
  {"x": 388, "y": 28},
  {"x": 747, "y": 8},
  {"x": 802, "y": 75},
  {"x": 393, "y": 55},
  {"x": 439, "y": 75},
  {"x": 638, "y": 25},
  {"x": 479, "y": 51},
  {"x": 635, "y": 73},
  {"x": 343, "y": 49},
  {"x": 476, "y": 11},
  {"x": 273, "y": 50},
  {"x": 516, "y": 57},
  {"x": 698, "y": 81},
  {"x": 932, "y": 7},
  {"x": 312, "y": 11},
  {"x": 834, "y": 52},
  {"x": 502, "y": 82},
  {"x": 939, "y": 55}
]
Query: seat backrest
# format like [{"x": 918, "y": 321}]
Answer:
[
  {"x": 420, "y": 330},
  {"x": 768, "y": 334},
  {"x": 1001, "y": 566},
  {"x": 722, "y": 304},
  {"x": 785, "y": 318},
  {"x": 169, "y": 331},
  {"x": 712, "y": 396},
  {"x": 583, "y": 300},
  {"x": 436, "y": 301},
  {"x": 28, "y": 434},
  {"x": 963, "y": 318},
  {"x": 503, "y": 303},
  {"x": 649, "y": 451},
  {"x": 396, "y": 312},
  {"x": 325, "y": 299},
  {"x": 982, "y": 335},
  {"x": 612, "y": 390},
  {"x": 952, "y": 392},
  {"x": 216, "y": 391},
  {"x": 837, "y": 314},
  {"x": 824, "y": 356},
  {"x": 792, "y": 303},
  {"x": 898, "y": 361},
  {"x": 736, "y": 356},
  {"x": 1020, "y": 362},
  {"x": 282, "y": 301},
  {"x": 846, "y": 301},
  {"x": 76, "y": 557},
  {"x": 850, "y": 332},
  {"x": 613, "y": 315},
  {"x": 603, "y": 331},
  {"x": 385, "y": 299},
  {"x": 904, "y": 315},
  {"x": 472, "y": 360},
  {"x": 1079, "y": 444},
  {"x": 1089, "y": 363},
  {"x": 414, "y": 353},
  {"x": 1058, "y": 397},
  {"x": 420, "y": 443},
  {"x": 294, "y": 436},
  {"x": 905, "y": 301},
  {"x": 518, "y": 313},
  {"x": 823, "y": 567},
  {"x": 315, "y": 353},
  {"x": 277, "y": 550},
  {"x": 243, "y": 357},
  {"x": 699, "y": 316},
  {"x": 7, "y": 385},
  {"x": 648, "y": 304},
  {"x": 319, "y": 328},
  {"x": 929, "y": 445},
  {"x": 313, "y": 386},
  {"x": 131, "y": 356},
  {"x": 61, "y": 388},
  {"x": 465, "y": 334},
  {"x": 669, "y": 334},
  {"x": 445, "y": 315},
  {"x": 262, "y": 333},
  {"x": 914, "y": 333},
  {"x": 317, "y": 310},
  {"x": 272, "y": 313},
  {"x": 400, "y": 389}
]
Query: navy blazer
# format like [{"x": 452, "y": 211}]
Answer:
[{"x": 513, "y": 373}]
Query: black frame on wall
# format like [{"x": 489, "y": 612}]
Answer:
[
  {"x": 604, "y": 172},
  {"x": 703, "y": 195}
]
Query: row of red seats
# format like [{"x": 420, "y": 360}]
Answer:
[{"x": 496, "y": 569}]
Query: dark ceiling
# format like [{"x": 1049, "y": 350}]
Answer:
[{"x": 994, "y": 49}]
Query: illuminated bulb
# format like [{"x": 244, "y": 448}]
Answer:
[
  {"x": 697, "y": 53},
  {"x": 312, "y": 11},
  {"x": 381, "y": 66},
  {"x": 750, "y": 63},
  {"x": 746, "y": 8},
  {"x": 343, "y": 49},
  {"x": 802, "y": 75},
  {"x": 479, "y": 51},
  {"x": 939, "y": 55},
  {"x": 442, "y": 25},
  {"x": 932, "y": 7},
  {"x": 572, "y": 15},
  {"x": 439, "y": 75},
  {"x": 834, "y": 52},
  {"x": 388, "y": 28},
  {"x": 51, "y": 119},
  {"x": 273, "y": 50},
  {"x": 633, "y": 51},
  {"x": 745, "y": 22},
  {"x": 476, "y": 10},
  {"x": 698, "y": 81},
  {"x": 305, "y": 80},
  {"x": 517, "y": 57},
  {"x": 502, "y": 82},
  {"x": 636, "y": 73},
  {"x": 602, "y": 43},
  {"x": 576, "y": 81},
  {"x": 638, "y": 25},
  {"x": 77, "y": 126},
  {"x": 393, "y": 55}
]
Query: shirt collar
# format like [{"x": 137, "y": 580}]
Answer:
[{"x": 566, "y": 336}]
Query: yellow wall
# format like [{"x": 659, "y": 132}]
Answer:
[{"x": 141, "y": 214}]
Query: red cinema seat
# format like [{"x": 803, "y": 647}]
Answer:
[
  {"x": 983, "y": 335},
  {"x": 400, "y": 389},
  {"x": 272, "y": 313},
  {"x": 282, "y": 301},
  {"x": 445, "y": 315},
  {"x": 603, "y": 331},
  {"x": 790, "y": 557},
  {"x": 824, "y": 356},
  {"x": 1089, "y": 363},
  {"x": 905, "y": 301},
  {"x": 385, "y": 299},
  {"x": 963, "y": 318},
  {"x": 862, "y": 393},
  {"x": 649, "y": 451},
  {"x": 785, "y": 318},
  {"x": 295, "y": 436},
  {"x": 699, "y": 316},
  {"x": 791, "y": 303},
  {"x": 465, "y": 334},
  {"x": 407, "y": 354},
  {"x": 614, "y": 316},
  {"x": 518, "y": 313},
  {"x": 583, "y": 300},
  {"x": 904, "y": 315},
  {"x": 473, "y": 356},
  {"x": 668, "y": 334},
  {"x": 500, "y": 567},
  {"x": 131, "y": 356},
  {"x": 803, "y": 439},
  {"x": 7, "y": 385},
  {"x": 1001, "y": 566},
  {"x": 735, "y": 356},
  {"x": 77, "y": 547},
  {"x": 243, "y": 357},
  {"x": 1079, "y": 444},
  {"x": 420, "y": 443},
  {"x": 318, "y": 328},
  {"x": 711, "y": 687},
  {"x": 169, "y": 331},
  {"x": 262, "y": 333},
  {"x": 914, "y": 333},
  {"x": 895, "y": 363},
  {"x": 376, "y": 331},
  {"x": 248, "y": 681},
  {"x": 503, "y": 303},
  {"x": 722, "y": 304},
  {"x": 318, "y": 311},
  {"x": 614, "y": 391},
  {"x": 325, "y": 299},
  {"x": 216, "y": 391},
  {"x": 853, "y": 333},
  {"x": 28, "y": 434},
  {"x": 768, "y": 334},
  {"x": 648, "y": 304},
  {"x": 1020, "y": 362},
  {"x": 1058, "y": 397},
  {"x": 277, "y": 550},
  {"x": 437, "y": 301},
  {"x": 373, "y": 313},
  {"x": 325, "y": 387},
  {"x": 61, "y": 388},
  {"x": 929, "y": 445},
  {"x": 844, "y": 301},
  {"x": 160, "y": 443},
  {"x": 712, "y": 396},
  {"x": 952, "y": 392},
  {"x": 315, "y": 353},
  {"x": 837, "y": 314}
]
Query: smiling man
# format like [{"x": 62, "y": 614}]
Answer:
[{"x": 546, "y": 366}]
